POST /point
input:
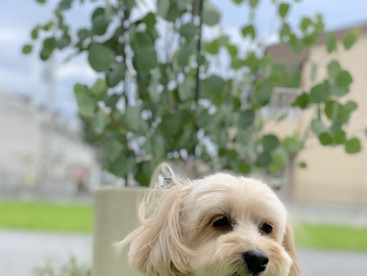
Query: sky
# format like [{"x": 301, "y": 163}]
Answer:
[{"x": 24, "y": 75}]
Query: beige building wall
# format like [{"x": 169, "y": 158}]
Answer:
[{"x": 332, "y": 175}]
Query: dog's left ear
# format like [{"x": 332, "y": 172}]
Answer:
[
  {"x": 288, "y": 243},
  {"x": 156, "y": 247}
]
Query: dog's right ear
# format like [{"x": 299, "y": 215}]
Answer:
[
  {"x": 288, "y": 243},
  {"x": 156, "y": 247}
]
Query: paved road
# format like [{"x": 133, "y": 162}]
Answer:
[
  {"x": 322, "y": 263},
  {"x": 21, "y": 251}
]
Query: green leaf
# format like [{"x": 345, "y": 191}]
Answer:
[
  {"x": 320, "y": 92},
  {"x": 213, "y": 88},
  {"x": 325, "y": 139},
  {"x": 338, "y": 91},
  {"x": 211, "y": 15},
  {"x": 332, "y": 109},
  {"x": 183, "y": 55},
  {"x": 34, "y": 33},
  {"x": 283, "y": 9},
  {"x": 248, "y": 30},
  {"x": 83, "y": 34},
  {"x": 302, "y": 165},
  {"x": 292, "y": 144},
  {"x": 350, "y": 39},
  {"x": 62, "y": 42},
  {"x": 99, "y": 89},
  {"x": 344, "y": 79},
  {"x": 100, "y": 57},
  {"x": 41, "y": 1},
  {"x": 279, "y": 161},
  {"x": 163, "y": 8},
  {"x": 100, "y": 121},
  {"x": 212, "y": 47},
  {"x": 48, "y": 48},
  {"x": 115, "y": 74},
  {"x": 263, "y": 159},
  {"x": 301, "y": 101},
  {"x": 113, "y": 149},
  {"x": 351, "y": 106},
  {"x": 129, "y": 5},
  {"x": 188, "y": 30},
  {"x": 297, "y": 46},
  {"x": 238, "y": 2},
  {"x": 146, "y": 59},
  {"x": 340, "y": 137},
  {"x": 285, "y": 31},
  {"x": 186, "y": 90},
  {"x": 187, "y": 140},
  {"x": 270, "y": 142},
  {"x": 99, "y": 21},
  {"x": 295, "y": 80},
  {"x": 313, "y": 74},
  {"x": 65, "y": 4},
  {"x": 133, "y": 118},
  {"x": 262, "y": 94},
  {"x": 172, "y": 123},
  {"x": 244, "y": 168},
  {"x": 333, "y": 69},
  {"x": 246, "y": 118},
  {"x": 141, "y": 40},
  {"x": 27, "y": 49},
  {"x": 353, "y": 146},
  {"x": 331, "y": 43},
  {"x": 149, "y": 20},
  {"x": 305, "y": 23},
  {"x": 232, "y": 50},
  {"x": 86, "y": 104},
  {"x": 318, "y": 127},
  {"x": 254, "y": 3}
]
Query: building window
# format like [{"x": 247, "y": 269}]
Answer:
[{"x": 280, "y": 105}]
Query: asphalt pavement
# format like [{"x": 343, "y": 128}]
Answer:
[{"x": 21, "y": 252}]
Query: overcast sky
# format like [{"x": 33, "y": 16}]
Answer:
[{"x": 23, "y": 74}]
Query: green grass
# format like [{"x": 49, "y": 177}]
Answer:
[
  {"x": 69, "y": 218},
  {"x": 63, "y": 217},
  {"x": 331, "y": 237}
]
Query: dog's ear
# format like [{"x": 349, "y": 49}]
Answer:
[
  {"x": 156, "y": 247},
  {"x": 288, "y": 243}
]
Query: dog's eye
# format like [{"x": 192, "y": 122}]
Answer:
[
  {"x": 221, "y": 222},
  {"x": 266, "y": 228}
]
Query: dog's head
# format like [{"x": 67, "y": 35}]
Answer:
[{"x": 220, "y": 225}]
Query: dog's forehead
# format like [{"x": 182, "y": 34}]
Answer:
[
  {"x": 226, "y": 183},
  {"x": 238, "y": 193}
]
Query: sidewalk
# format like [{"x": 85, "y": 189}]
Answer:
[
  {"x": 21, "y": 251},
  {"x": 327, "y": 214}
]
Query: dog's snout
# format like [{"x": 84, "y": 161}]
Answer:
[{"x": 256, "y": 261}]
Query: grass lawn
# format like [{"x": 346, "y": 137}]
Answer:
[
  {"x": 331, "y": 237},
  {"x": 58, "y": 217},
  {"x": 78, "y": 218}
]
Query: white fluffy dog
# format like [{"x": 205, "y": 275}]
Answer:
[{"x": 220, "y": 225}]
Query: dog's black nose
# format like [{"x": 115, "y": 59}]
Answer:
[{"x": 256, "y": 261}]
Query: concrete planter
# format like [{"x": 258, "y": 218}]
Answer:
[{"x": 115, "y": 216}]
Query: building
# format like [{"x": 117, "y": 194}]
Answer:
[
  {"x": 332, "y": 175},
  {"x": 40, "y": 153}
]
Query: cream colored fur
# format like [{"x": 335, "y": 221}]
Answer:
[{"x": 177, "y": 237}]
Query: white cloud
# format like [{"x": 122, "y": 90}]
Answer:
[
  {"x": 11, "y": 35},
  {"x": 72, "y": 70}
]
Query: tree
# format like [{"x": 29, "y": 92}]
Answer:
[{"x": 157, "y": 98}]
